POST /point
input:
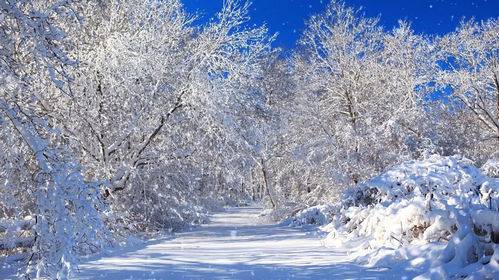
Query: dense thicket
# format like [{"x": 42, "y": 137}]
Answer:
[{"x": 127, "y": 116}]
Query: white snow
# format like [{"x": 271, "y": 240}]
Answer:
[{"x": 236, "y": 244}]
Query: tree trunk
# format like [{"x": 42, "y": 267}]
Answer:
[{"x": 268, "y": 188}]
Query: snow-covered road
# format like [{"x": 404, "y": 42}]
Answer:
[{"x": 234, "y": 245}]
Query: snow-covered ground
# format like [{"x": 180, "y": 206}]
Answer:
[{"x": 236, "y": 244}]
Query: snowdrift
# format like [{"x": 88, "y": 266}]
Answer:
[{"x": 442, "y": 201}]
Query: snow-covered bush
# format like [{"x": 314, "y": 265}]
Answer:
[
  {"x": 317, "y": 216},
  {"x": 414, "y": 196},
  {"x": 66, "y": 221},
  {"x": 436, "y": 200}
]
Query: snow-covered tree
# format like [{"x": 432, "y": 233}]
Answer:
[
  {"x": 153, "y": 94},
  {"x": 66, "y": 220},
  {"x": 358, "y": 96},
  {"x": 469, "y": 85}
]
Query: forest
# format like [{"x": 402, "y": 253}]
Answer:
[{"x": 130, "y": 118}]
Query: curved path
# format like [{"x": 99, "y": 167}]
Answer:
[{"x": 234, "y": 245}]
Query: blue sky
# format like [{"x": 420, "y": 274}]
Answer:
[{"x": 287, "y": 17}]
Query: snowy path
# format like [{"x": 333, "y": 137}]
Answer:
[{"x": 232, "y": 246}]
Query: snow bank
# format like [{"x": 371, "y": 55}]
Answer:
[{"x": 439, "y": 200}]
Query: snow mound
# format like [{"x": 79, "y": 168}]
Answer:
[
  {"x": 420, "y": 201},
  {"x": 438, "y": 200},
  {"x": 317, "y": 215}
]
